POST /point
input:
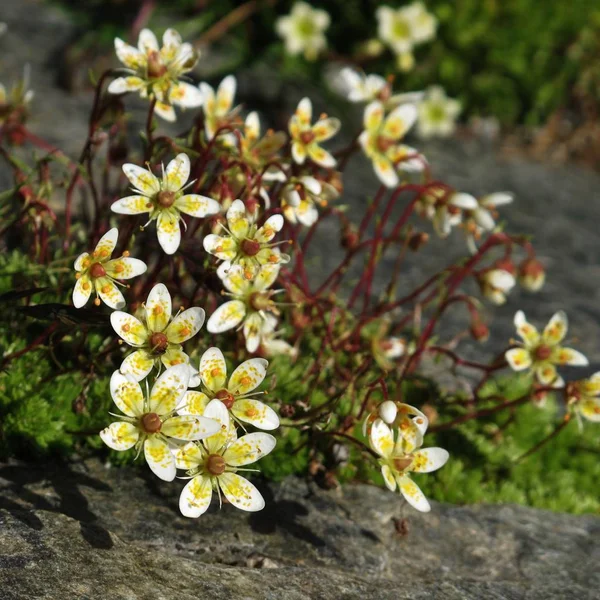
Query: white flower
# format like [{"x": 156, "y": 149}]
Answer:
[
  {"x": 150, "y": 423},
  {"x": 583, "y": 397},
  {"x": 495, "y": 284},
  {"x": 410, "y": 422},
  {"x": 443, "y": 209},
  {"x": 155, "y": 71},
  {"x": 437, "y": 114},
  {"x": 213, "y": 465},
  {"x": 164, "y": 199},
  {"x": 99, "y": 272},
  {"x": 303, "y": 30},
  {"x": 481, "y": 219},
  {"x": 300, "y": 196},
  {"x": 398, "y": 461},
  {"x": 218, "y": 109},
  {"x": 541, "y": 353},
  {"x": 250, "y": 305},
  {"x": 235, "y": 393},
  {"x": 156, "y": 336},
  {"x": 381, "y": 141},
  {"x": 246, "y": 244},
  {"x": 306, "y": 137}
]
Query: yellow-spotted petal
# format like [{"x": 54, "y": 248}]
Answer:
[
  {"x": 256, "y": 413},
  {"x": 410, "y": 436},
  {"x": 248, "y": 376},
  {"x": 299, "y": 153},
  {"x": 121, "y": 85},
  {"x": 165, "y": 111},
  {"x": 249, "y": 448},
  {"x": 381, "y": 438},
  {"x": 120, "y": 436},
  {"x": 193, "y": 403},
  {"x": 196, "y": 205},
  {"x": 373, "y": 116},
  {"x": 106, "y": 245},
  {"x": 159, "y": 458},
  {"x": 185, "y": 95},
  {"x": 169, "y": 389},
  {"x": 132, "y": 205},
  {"x": 138, "y": 364},
  {"x": 237, "y": 219},
  {"x": 519, "y": 359},
  {"x": 385, "y": 171},
  {"x": 224, "y": 248},
  {"x": 213, "y": 369},
  {"x": 235, "y": 282},
  {"x": 252, "y": 126},
  {"x": 326, "y": 129},
  {"x": 528, "y": 333},
  {"x": 569, "y": 356},
  {"x": 185, "y": 325},
  {"x": 190, "y": 427},
  {"x": 127, "y": 394},
  {"x": 227, "y": 316},
  {"x": 240, "y": 492},
  {"x": 109, "y": 293},
  {"x": 428, "y": 460},
  {"x": 125, "y": 267},
  {"x": 216, "y": 410},
  {"x": 591, "y": 386},
  {"x": 82, "y": 291},
  {"x": 131, "y": 57},
  {"x": 413, "y": 494},
  {"x": 147, "y": 41},
  {"x": 546, "y": 374},
  {"x": 556, "y": 329},
  {"x": 267, "y": 232},
  {"x": 304, "y": 111},
  {"x": 320, "y": 156},
  {"x": 590, "y": 409},
  {"x": 177, "y": 173},
  {"x": 82, "y": 262},
  {"x": 388, "y": 478},
  {"x": 266, "y": 276},
  {"x": 252, "y": 330},
  {"x": 225, "y": 95},
  {"x": 174, "y": 356},
  {"x": 168, "y": 230},
  {"x": 142, "y": 180},
  {"x": 189, "y": 456},
  {"x": 129, "y": 328},
  {"x": 158, "y": 308},
  {"x": 195, "y": 497},
  {"x": 399, "y": 121}
]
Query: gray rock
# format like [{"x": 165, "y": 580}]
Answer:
[{"x": 115, "y": 534}]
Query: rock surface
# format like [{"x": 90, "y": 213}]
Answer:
[{"x": 89, "y": 532}]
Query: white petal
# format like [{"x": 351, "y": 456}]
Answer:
[
  {"x": 248, "y": 376},
  {"x": 429, "y": 459},
  {"x": 127, "y": 394},
  {"x": 158, "y": 307},
  {"x": 169, "y": 232},
  {"x": 249, "y": 448},
  {"x": 129, "y": 328},
  {"x": 465, "y": 201},
  {"x": 381, "y": 438},
  {"x": 241, "y": 493},
  {"x": 141, "y": 179},
  {"x": 120, "y": 436},
  {"x": 177, "y": 172},
  {"x": 169, "y": 389},
  {"x": 413, "y": 494},
  {"x": 195, "y": 497},
  {"x": 227, "y": 316},
  {"x": 159, "y": 458}
]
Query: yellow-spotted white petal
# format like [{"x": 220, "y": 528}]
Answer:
[
  {"x": 320, "y": 156},
  {"x": 428, "y": 460},
  {"x": 410, "y": 436},
  {"x": 590, "y": 409},
  {"x": 373, "y": 116},
  {"x": 234, "y": 281},
  {"x": 213, "y": 369},
  {"x": 249, "y": 448},
  {"x": 138, "y": 364},
  {"x": 381, "y": 438},
  {"x": 171, "y": 38},
  {"x": 248, "y": 376},
  {"x": 267, "y": 232},
  {"x": 159, "y": 458},
  {"x": 413, "y": 494},
  {"x": 142, "y": 180},
  {"x": 388, "y": 478},
  {"x": 82, "y": 291},
  {"x": 299, "y": 153},
  {"x": 131, "y": 57},
  {"x": 197, "y": 205},
  {"x": 165, "y": 111},
  {"x": 104, "y": 248},
  {"x": 129, "y": 328},
  {"x": 120, "y": 435},
  {"x": 125, "y": 267},
  {"x": 224, "y": 248},
  {"x": 569, "y": 356},
  {"x": 216, "y": 410},
  {"x": 185, "y": 95},
  {"x": 304, "y": 111},
  {"x": 591, "y": 386},
  {"x": 546, "y": 374},
  {"x": 193, "y": 403},
  {"x": 109, "y": 293},
  {"x": 252, "y": 126},
  {"x": 326, "y": 129},
  {"x": 195, "y": 497},
  {"x": 265, "y": 277},
  {"x": 252, "y": 330},
  {"x": 168, "y": 231},
  {"x": 189, "y": 456},
  {"x": 240, "y": 492},
  {"x": 556, "y": 329},
  {"x": 519, "y": 359},
  {"x": 132, "y": 205},
  {"x": 225, "y": 94},
  {"x": 127, "y": 394},
  {"x": 82, "y": 262},
  {"x": 175, "y": 356},
  {"x": 190, "y": 427},
  {"x": 237, "y": 219},
  {"x": 169, "y": 389},
  {"x": 256, "y": 413},
  {"x": 385, "y": 171},
  {"x": 227, "y": 316},
  {"x": 185, "y": 325},
  {"x": 158, "y": 308},
  {"x": 399, "y": 121},
  {"x": 147, "y": 41},
  {"x": 177, "y": 173},
  {"x": 528, "y": 333},
  {"x": 121, "y": 85}
]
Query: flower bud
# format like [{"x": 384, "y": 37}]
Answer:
[
  {"x": 479, "y": 330},
  {"x": 506, "y": 264},
  {"x": 532, "y": 274},
  {"x": 417, "y": 239},
  {"x": 495, "y": 284},
  {"x": 387, "y": 411},
  {"x": 350, "y": 237}
]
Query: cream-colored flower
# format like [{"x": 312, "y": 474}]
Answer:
[
  {"x": 236, "y": 393},
  {"x": 155, "y": 72},
  {"x": 150, "y": 423},
  {"x": 482, "y": 219},
  {"x": 306, "y": 137},
  {"x": 542, "y": 353},
  {"x": 164, "y": 199},
  {"x": 97, "y": 271},
  {"x": 246, "y": 244},
  {"x": 381, "y": 141},
  {"x": 218, "y": 109},
  {"x": 214, "y": 463},
  {"x": 303, "y": 30},
  {"x": 157, "y": 336},
  {"x": 398, "y": 461},
  {"x": 583, "y": 397},
  {"x": 300, "y": 197},
  {"x": 251, "y": 302},
  {"x": 437, "y": 114},
  {"x": 495, "y": 285}
]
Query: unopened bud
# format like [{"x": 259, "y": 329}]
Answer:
[
  {"x": 479, "y": 330},
  {"x": 387, "y": 411},
  {"x": 252, "y": 204},
  {"x": 532, "y": 274},
  {"x": 506, "y": 264},
  {"x": 418, "y": 239},
  {"x": 350, "y": 237}
]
